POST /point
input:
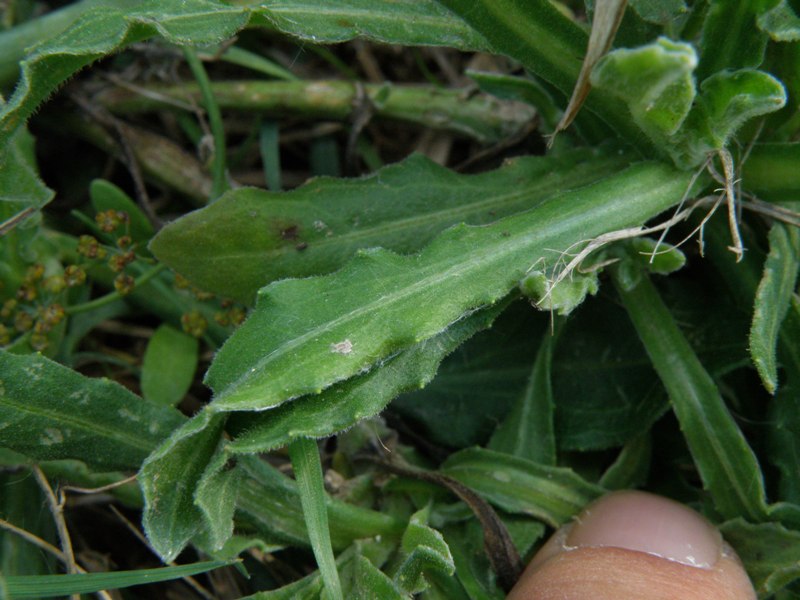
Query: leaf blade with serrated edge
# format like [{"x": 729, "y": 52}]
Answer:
[
  {"x": 342, "y": 405},
  {"x": 251, "y": 236},
  {"x": 305, "y": 335}
]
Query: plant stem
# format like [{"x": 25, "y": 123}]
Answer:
[
  {"x": 482, "y": 117},
  {"x": 113, "y": 296}
]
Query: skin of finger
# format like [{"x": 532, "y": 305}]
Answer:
[{"x": 619, "y": 574}]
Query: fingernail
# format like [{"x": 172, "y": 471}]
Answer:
[{"x": 647, "y": 523}]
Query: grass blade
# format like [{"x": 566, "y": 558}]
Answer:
[
  {"x": 726, "y": 463},
  {"x": 50, "y": 586},
  {"x": 528, "y": 431},
  {"x": 308, "y": 473}
]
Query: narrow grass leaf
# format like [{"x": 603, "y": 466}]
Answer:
[
  {"x": 773, "y": 299},
  {"x": 51, "y": 586},
  {"x": 269, "y": 145},
  {"x": 770, "y": 553},
  {"x": 48, "y": 412},
  {"x": 169, "y": 364},
  {"x": 252, "y": 237},
  {"x": 308, "y": 474},
  {"x": 517, "y": 485},
  {"x": 726, "y": 463},
  {"x": 342, "y": 405},
  {"x": 169, "y": 478},
  {"x": 306, "y": 335},
  {"x": 528, "y": 430}
]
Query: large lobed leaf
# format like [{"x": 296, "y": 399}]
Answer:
[
  {"x": 252, "y": 237},
  {"x": 305, "y": 335}
]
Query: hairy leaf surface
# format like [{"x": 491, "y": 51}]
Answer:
[
  {"x": 48, "y": 411},
  {"x": 305, "y": 335},
  {"x": 342, "y": 405},
  {"x": 773, "y": 299},
  {"x": 252, "y": 237},
  {"x": 517, "y": 485}
]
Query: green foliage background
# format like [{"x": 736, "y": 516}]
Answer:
[{"x": 396, "y": 313}]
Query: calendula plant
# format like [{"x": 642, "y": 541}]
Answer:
[{"x": 391, "y": 383}]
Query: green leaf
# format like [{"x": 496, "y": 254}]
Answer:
[
  {"x": 660, "y": 12},
  {"x": 169, "y": 478},
  {"x": 340, "y": 20},
  {"x": 654, "y": 81},
  {"x": 771, "y": 171},
  {"x": 476, "y": 386},
  {"x": 726, "y": 463},
  {"x": 528, "y": 430},
  {"x": 51, "y": 586},
  {"x": 772, "y": 302},
  {"x": 729, "y": 99},
  {"x": 784, "y": 440},
  {"x": 730, "y": 37},
  {"x": 423, "y": 550},
  {"x": 769, "y": 551},
  {"x": 370, "y": 582},
  {"x": 551, "y": 494},
  {"x": 48, "y": 412},
  {"x": 548, "y": 44},
  {"x": 269, "y": 501},
  {"x": 251, "y": 237},
  {"x": 305, "y": 335},
  {"x": 20, "y": 186},
  {"x": 631, "y": 467},
  {"x": 562, "y": 298},
  {"x": 100, "y": 32},
  {"x": 21, "y": 505},
  {"x": 215, "y": 496},
  {"x": 107, "y": 196},
  {"x": 342, "y": 405},
  {"x": 604, "y": 387},
  {"x": 473, "y": 569},
  {"x": 308, "y": 474},
  {"x": 660, "y": 258},
  {"x": 519, "y": 89},
  {"x": 97, "y": 33},
  {"x": 170, "y": 361},
  {"x": 781, "y": 22}
]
